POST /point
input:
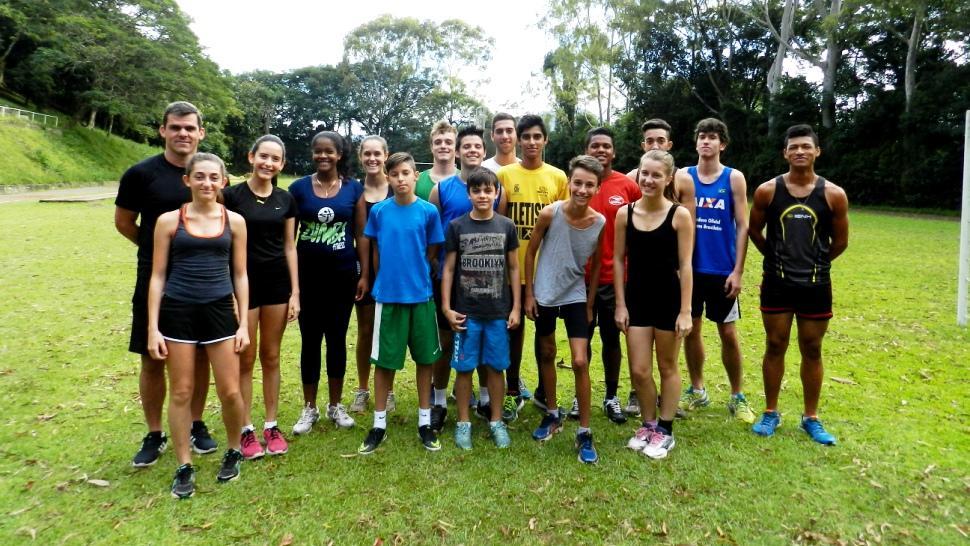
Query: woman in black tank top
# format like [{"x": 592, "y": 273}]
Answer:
[
  {"x": 656, "y": 236},
  {"x": 193, "y": 249}
]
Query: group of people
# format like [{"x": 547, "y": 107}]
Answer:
[{"x": 448, "y": 263}]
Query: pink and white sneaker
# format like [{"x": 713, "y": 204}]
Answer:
[
  {"x": 659, "y": 445},
  {"x": 249, "y": 446},
  {"x": 275, "y": 442},
  {"x": 642, "y": 437}
]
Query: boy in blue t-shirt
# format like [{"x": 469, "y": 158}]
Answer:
[
  {"x": 406, "y": 231},
  {"x": 480, "y": 265}
]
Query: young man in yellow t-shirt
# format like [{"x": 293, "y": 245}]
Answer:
[{"x": 530, "y": 185}]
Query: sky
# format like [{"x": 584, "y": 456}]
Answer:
[{"x": 246, "y": 35}]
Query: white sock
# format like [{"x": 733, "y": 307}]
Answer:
[
  {"x": 483, "y": 397},
  {"x": 554, "y": 413},
  {"x": 580, "y": 430},
  {"x": 424, "y": 416},
  {"x": 380, "y": 419},
  {"x": 268, "y": 425},
  {"x": 440, "y": 397},
  {"x": 248, "y": 428},
  {"x": 495, "y": 423}
]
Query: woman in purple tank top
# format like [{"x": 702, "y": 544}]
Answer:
[{"x": 190, "y": 306}]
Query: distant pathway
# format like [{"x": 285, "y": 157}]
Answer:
[{"x": 64, "y": 195}]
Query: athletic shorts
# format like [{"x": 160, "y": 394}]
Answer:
[
  {"x": 197, "y": 323},
  {"x": 709, "y": 293},
  {"x": 138, "y": 341},
  {"x": 657, "y": 309},
  {"x": 400, "y": 326},
  {"x": 439, "y": 315},
  {"x": 484, "y": 342},
  {"x": 604, "y": 315},
  {"x": 269, "y": 284},
  {"x": 573, "y": 314},
  {"x": 806, "y": 302}
]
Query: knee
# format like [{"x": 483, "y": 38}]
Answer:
[
  {"x": 640, "y": 374},
  {"x": 269, "y": 358},
  {"x": 580, "y": 364},
  {"x": 667, "y": 368},
  {"x": 180, "y": 394},
  {"x": 547, "y": 350},
  {"x": 811, "y": 349},
  {"x": 776, "y": 345}
]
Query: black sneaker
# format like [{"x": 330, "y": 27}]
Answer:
[
  {"x": 374, "y": 439},
  {"x": 438, "y": 416},
  {"x": 200, "y": 439},
  {"x": 183, "y": 486},
  {"x": 484, "y": 411},
  {"x": 429, "y": 439},
  {"x": 613, "y": 410},
  {"x": 230, "y": 466},
  {"x": 152, "y": 446}
]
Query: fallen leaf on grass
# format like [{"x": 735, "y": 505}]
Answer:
[
  {"x": 22, "y": 510},
  {"x": 442, "y": 528},
  {"x": 287, "y": 539},
  {"x": 959, "y": 530},
  {"x": 99, "y": 483},
  {"x": 46, "y": 417},
  {"x": 348, "y": 455},
  {"x": 929, "y": 469},
  {"x": 32, "y": 533},
  {"x": 844, "y": 381},
  {"x": 876, "y": 484},
  {"x": 532, "y": 524}
]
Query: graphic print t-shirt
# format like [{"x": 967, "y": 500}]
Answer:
[
  {"x": 327, "y": 224},
  {"x": 528, "y": 191},
  {"x": 481, "y": 287}
]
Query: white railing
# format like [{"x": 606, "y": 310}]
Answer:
[{"x": 35, "y": 117}]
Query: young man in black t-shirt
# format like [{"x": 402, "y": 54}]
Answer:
[{"x": 147, "y": 190}]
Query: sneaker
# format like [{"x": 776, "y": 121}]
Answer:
[
  {"x": 691, "y": 400},
  {"x": 573, "y": 412},
  {"x": 359, "y": 405},
  {"x": 510, "y": 408},
  {"x": 642, "y": 437},
  {"x": 524, "y": 391},
  {"x": 549, "y": 426},
  {"x": 632, "y": 404},
  {"x": 429, "y": 439},
  {"x": 740, "y": 408},
  {"x": 500, "y": 434},
  {"x": 813, "y": 427},
  {"x": 200, "y": 439},
  {"x": 308, "y": 416},
  {"x": 613, "y": 412},
  {"x": 230, "y": 466},
  {"x": 584, "y": 448},
  {"x": 373, "y": 440},
  {"x": 391, "y": 403},
  {"x": 439, "y": 414},
  {"x": 183, "y": 486},
  {"x": 484, "y": 411},
  {"x": 249, "y": 446},
  {"x": 275, "y": 442},
  {"x": 339, "y": 416},
  {"x": 463, "y": 436},
  {"x": 770, "y": 420},
  {"x": 659, "y": 444},
  {"x": 152, "y": 446}
]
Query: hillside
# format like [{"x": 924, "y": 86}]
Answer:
[{"x": 70, "y": 156}]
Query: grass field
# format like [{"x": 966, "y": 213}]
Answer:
[{"x": 895, "y": 394}]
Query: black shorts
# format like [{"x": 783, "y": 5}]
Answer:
[
  {"x": 657, "y": 308},
  {"x": 806, "y": 302},
  {"x": 197, "y": 323},
  {"x": 604, "y": 315},
  {"x": 269, "y": 284},
  {"x": 138, "y": 340},
  {"x": 709, "y": 293},
  {"x": 573, "y": 314}
]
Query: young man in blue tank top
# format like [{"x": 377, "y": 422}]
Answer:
[{"x": 807, "y": 220}]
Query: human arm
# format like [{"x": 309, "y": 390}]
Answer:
[
  {"x": 455, "y": 319},
  {"x": 684, "y": 192},
  {"x": 289, "y": 251},
  {"x": 164, "y": 229},
  {"x": 512, "y": 259},
  {"x": 126, "y": 222},
  {"x": 240, "y": 279},
  {"x": 621, "y": 316},
  {"x": 685, "y": 250},
  {"x": 362, "y": 246},
  {"x": 503, "y": 201},
  {"x": 535, "y": 240},
  {"x": 839, "y": 204},
  {"x": 739, "y": 194},
  {"x": 756, "y": 220}
]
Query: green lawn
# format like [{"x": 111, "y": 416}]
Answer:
[{"x": 895, "y": 394}]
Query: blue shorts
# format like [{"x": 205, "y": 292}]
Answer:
[{"x": 484, "y": 342}]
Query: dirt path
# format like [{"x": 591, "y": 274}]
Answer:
[{"x": 66, "y": 195}]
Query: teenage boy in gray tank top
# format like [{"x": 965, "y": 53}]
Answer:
[{"x": 569, "y": 233}]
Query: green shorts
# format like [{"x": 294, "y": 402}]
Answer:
[{"x": 405, "y": 325}]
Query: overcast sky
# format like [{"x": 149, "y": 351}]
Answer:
[{"x": 279, "y": 35}]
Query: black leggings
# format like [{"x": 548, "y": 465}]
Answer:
[{"x": 326, "y": 300}]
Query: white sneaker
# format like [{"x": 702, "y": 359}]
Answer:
[
  {"x": 391, "y": 404},
  {"x": 640, "y": 439},
  {"x": 308, "y": 416},
  {"x": 339, "y": 416},
  {"x": 632, "y": 405},
  {"x": 573, "y": 412},
  {"x": 359, "y": 405},
  {"x": 659, "y": 445}
]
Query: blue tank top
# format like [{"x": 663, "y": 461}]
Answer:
[
  {"x": 714, "y": 248},
  {"x": 454, "y": 201},
  {"x": 198, "y": 267}
]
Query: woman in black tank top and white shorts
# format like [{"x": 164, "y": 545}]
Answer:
[
  {"x": 656, "y": 237},
  {"x": 190, "y": 304}
]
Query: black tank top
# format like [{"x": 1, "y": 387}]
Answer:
[
  {"x": 652, "y": 258},
  {"x": 198, "y": 267},
  {"x": 799, "y": 236}
]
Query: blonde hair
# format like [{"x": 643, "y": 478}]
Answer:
[
  {"x": 667, "y": 161},
  {"x": 372, "y": 138},
  {"x": 442, "y": 127}
]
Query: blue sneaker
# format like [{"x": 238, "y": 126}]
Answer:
[
  {"x": 549, "y": 426},
  {"x": 524, "y": 392},
  {"x": 585, "y": 449},
  {"x": 770, "y": 420},
  {"x": 463, "y": 435},
  {"x": 500, "y": 434},
  {"x": 813, "y": 427}
]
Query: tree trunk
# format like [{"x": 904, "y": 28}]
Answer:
[
  {"x": 111, "y": 123},
  {"x": 833, "y": 54},
  {"x": 777, "y": 67},
  {"x": 912, "y": 47},
  {"x": 91, "y": 118}
]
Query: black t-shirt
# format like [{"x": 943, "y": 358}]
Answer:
[
  {"x": 481, "y": 282},
  {"x": 151, "y": 188},
  {"x": 265, "y": 221}
]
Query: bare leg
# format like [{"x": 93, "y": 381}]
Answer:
[
  {"x": 577, "y": 346},
  {"x": 731, "y": 355},
  {"x": 547, "y": 368},
  {"x": 777, "y": 333},
  {"x": 247, "y": 360},
  {"x": 365, "y": 335},
  {"x": 423, "y": 373},
  {"x": 463, "y": 394},
  {"x": 668, "y": 347},
  {"x": 383, "y": 383},
  {"x": 694, "y": 354},
  {"x": 810, "y": 334},
  {"x": 225, "y": 367},
  {"x": 181, "y": 384},
  {"x": 496, "y": 390},
  {"x": 639, "y": 348},
  {"x": 273, "y": 324},
  {"x": 151, "y": 389},
  {"x": 201, "y": 385}
]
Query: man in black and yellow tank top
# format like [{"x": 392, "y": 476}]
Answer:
[{"x": 807, "y": 225}]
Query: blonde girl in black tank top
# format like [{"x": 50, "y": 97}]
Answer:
[
  {"x": 653, "y": 308},
  {"x": 179, "y": 326}
]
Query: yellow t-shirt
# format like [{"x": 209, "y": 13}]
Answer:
[{"x": 528, "y": 191}]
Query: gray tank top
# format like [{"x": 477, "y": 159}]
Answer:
[
  {"x": 198, "y": 267},
  {"x": 561, "y": 271}
]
